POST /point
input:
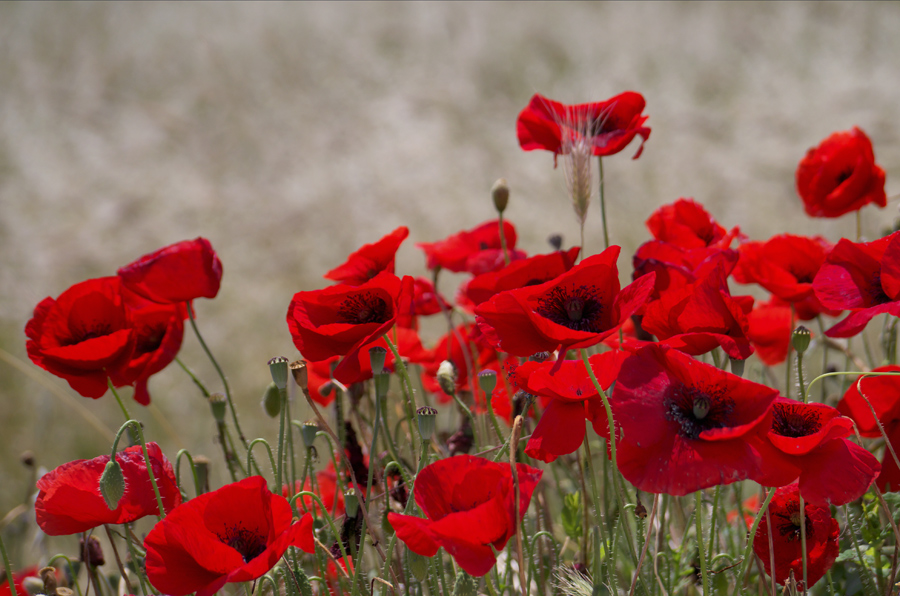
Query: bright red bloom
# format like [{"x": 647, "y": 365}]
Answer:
[
  {"x": 686, "y": 224},
  {"x": 578, "y": 309},
  {"x": 806, "y": 441},
  {"x": 85, "y": 336},
  {"x": 677, "y": 267},
  {"x": 863, "y": 278},
  {"x": 785, "y": 265},
  {"x": 449, "y": 348},
  {"x": 332, "y": 498},
  {"x": 462, "y": 251},
  {"x": 234, "y": 534},
  {"x": 18, "y": 578},
  {"x": 469, "y": 505},
  {"x": 840, "y": 176},
  {"x": 686, "y": 424},
  {"x": 179, "y": 272},
  {"x": 69, "y": 500},
  {"x": 770, "y": 330},
  {"x": 821, "y": 538},
  {"x": 608, "y": 125},
  {"x": 572, "y": 399},
  {"x": 426, "y": 301},
  {"x": 370, "y": 260}
]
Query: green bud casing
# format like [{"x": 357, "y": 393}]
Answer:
[
  {"x": 271, "y": 400},
  {"x": 112, "y": 484}
]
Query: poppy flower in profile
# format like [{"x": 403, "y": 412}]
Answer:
[
  {"x": 176, "y": 273},
  {"x": 470, "y": 506},
  {"x": 785, "y": 265},
  {"x": 69, "y": 500},
  {"x": 840, "y": 176},
  {"x": 686, "y": 224},
  {"x": 370, "y": 260},
  {"x": 770, "y": 330},
  {"x": 677, "y": 267},
  {"x": 477, "y": 250},
  {"x": 578, "y": 309},
  {"x": 863, "y": 278},
  {"x": 608, "y": 126},
  {"x": 234, "y": 534},
  {"x": 426, "y": 301},
  {"x": 686, "y": 425},
  {"x": 85, "y": 336},
  {"x": 807, "y": 441},
  {"x": 822, "y": 532}
]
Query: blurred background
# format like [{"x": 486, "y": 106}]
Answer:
[{"x": 290, "y": 134}]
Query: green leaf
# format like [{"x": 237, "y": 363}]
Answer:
[{"x": 572, "y": 515}]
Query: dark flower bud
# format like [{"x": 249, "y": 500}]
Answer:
[
  {"x": 112, "y": 484},
  {"x": 418, "y": 564},
  {"x": 425, "y": 417},
  {"x": 91, "y": 553},
  {"x": 218, "y": 403},
  {"x": 464, "y": 585},
  {"x": 27, "y": 459},
  {"x": 377, "y": 355},
  {"x": 487, "y": 380},
  {"x": 301, "y": 376},
  {"x": 382, "y": 384},
  {"x": 271, "y": 400},
  {"x": 500, "y": 195},
  {"x": 278, "y": 366},
  {"x": 737, "y": 367},
  {"x": 446, "y": 377},
  {"x": 639, "y": 510},
  {"x": 556, "y": 241},
  {"x": 800, "y": 339},
  {"x": 308, "y": 433}
]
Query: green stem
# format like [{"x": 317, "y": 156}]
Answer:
[
  {"x": 502, "y": 238},
  {"x": 602, "y": 204},
  {"x": 118, "y": 399},
  {"x": 712, "y": 524},
  {"x": 134, "y": 558},
  {"x": 251, "y": 462},
  {"x": 378, "y": 400},
  {"x": 803, "y": 553},
  {"x": 197, "y": 487},
  {"x": 193, "y": 377},
  {"x": 748, "y": 551},
  {"x": 136, "y": 426},
  {"x": 698, "y": 516},
  {"x": 408, "y": 390},
  {"x": 7, "y": 567},
  {"x": 803, "y": 395},
  {"x": 279, "y": 471}
]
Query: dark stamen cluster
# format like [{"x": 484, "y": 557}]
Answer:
[
  {"x": 696, "y": 410},
  {"x": 363, "y": 308},
  {"x": 793, "y": 420},
  {"x": 876, "y": 291},
  {"x": 577, "y": 308},
  {"x": 788, "y": 523},
  {"x": 844, "y": 175},
  {"x": 247, "y": 542},
  {"x": 150, "y": 339},
  {"x": 88, "y": 331}
]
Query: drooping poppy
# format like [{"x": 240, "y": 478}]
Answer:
[
  {"x": 234, "y": 534},
  {"x": 176, "y": 273},
  {"x": 785, "y": 265},
  {"x": 821, "y": 538},
  {"x": 686, "y": 425},
  {"x": 370, "y": 260},
  {"x": 686, "y": 224},
  {"x": 609, "y": 126},
  {"x": 840, "y": 176},
  {"x": 470, "y": 506},
  {"x": 578, "y": 309},
  {"x": 69, "y": 499},
  {"x": 477, "y": 250},
  {"x": 85, "y": 336}
]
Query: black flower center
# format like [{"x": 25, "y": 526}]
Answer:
[
  {"x": 844, "y": 175},
  {"x": 363, "y": 308},
  {"x": 696, "y": 410},
  {"x": 790, "y": 420},
  {"x": 150, "y": 339},
  {"x": 247, "y": 542},
  {"x": 788, "y": 523},
  {"x": 876, "y": 291},
  {"x": 83, "y": 332},
  {"x": 577, "y": 308}
]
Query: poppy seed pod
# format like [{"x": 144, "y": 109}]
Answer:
[
  {"x": 278, "y": 366},
  {"x": 377, "y": 355},
  {"x": 218, "y": 403},
  {"x": 300, "y": 374},
  {"x": 425, "y": 417},
  {"x": 487, "y": 380},
  {"x": 800, "y": 339},
  {"x": 308, "y": 433}
]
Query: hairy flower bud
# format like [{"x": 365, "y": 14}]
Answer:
[
  {"x": 500, "y": 195},
  {"x": 271, "y": 400},
  {"x": 278, "y": 366},
  {"x": 418, "y": 564},
  {"x": 464, "y": 585},
  {"x": 112, "y": 484},
  {"x": 446, "y": 377}
]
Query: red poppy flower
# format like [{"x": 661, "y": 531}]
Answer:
[
  {"x": 234, "y": 534},
  {"x": 85, "y": 336},
  {"x": 699, "y": 317},
  {"x": 608, "y": 125},
  {"x": 686, "y": 224},
  {"x": 840, "y": 176},
  {"x": 770, "y": 330},
  {"x": 518, "y": 274},
  {"x": 179, "y": 272},
  {"x": 863, "y": 278},
  {"x": 426, "y": 301},
  {"x": 686, "y": 424},
  {"x": 332, "y": 498},
  {"x": 477, "y": 250},
  {"x": 370, "y": 260},
  {"x": 785, "y": 265},
  {"x": 677, "y": 267},
  {"x": 806, "y": 441},
  {"x": 470, "y": 506},
  {"x": 69, "y": 500},
  {"x": 883, "y": 393},
  {"x": 357, "y": 367},
  {"x": 18, "y": 578},
  {"x": 449, "y": 348},
  {"x": 821, "y": 538},
  {"x": 578, "y": 309},
  {"x": 572, "y": 399}
]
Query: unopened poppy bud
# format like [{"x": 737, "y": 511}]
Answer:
[
  {"x": 800, "y": 338},
  {"x": 201, "y": 464},
  {"x": 737, "y": 367},
  {"x": 278, "y": 366},
  {"x": 91, "y": 552},
  {"x": 301, "y": 376},
  {"x": 303, "y": 584},
  {"x": 308, "y": 433},
  {"x": 487, "y": 380},
  {"x": 425, "y": 416},
  {"x": 218, "y": 403},
  {"x": 377, "y": 354},
  {"x": 446, "y": 377},
  {"x": 500, "y": 195},
  {"x": 27, "y": 459},
  {"x": 417, "y": 564},
  {"x": 351, "y": 503},
  {"x": 464, "y": 585},
  {"x": 32, "y": 585},
  {"x": 271, "y": 400},
  {"x": 112, "y": 484},
  {"x": 556, "y": 241}
]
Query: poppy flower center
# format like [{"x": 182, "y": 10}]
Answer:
[
  {"x": 576, "y": 308},
  {"x": 150, "y": 339},
  {"x": 82, "y": 333},
  {"x": 794, "y": 421},
  {"x": 696, "y": 410},
  {"x": 788, "y": 524},
  {"x": 844, "y": 175},
  {"x": 248, "y": 543},
  {"x": 363, "y": 308},
  {"x": 876, "y": 291}
]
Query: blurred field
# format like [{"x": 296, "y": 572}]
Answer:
[{"x": 289, "y": 134}]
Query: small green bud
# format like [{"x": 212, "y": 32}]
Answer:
[
  {"x": 271, "y": 400},
  {"x": 278, "y": 366},
  {"x": 446, "y": 377},
  {"x": 351, "y": 503},
  {"x": 303, "y": 584},
  {"x": 464, "y": 585},
  {"x": 218, "y": 403},
  {"x": 425, "y": 417},
  {"x": 418, "y": 564},
  {"x": 500, "y": 195},
  {"x": 377, "y": 355},
  {"x": 32, "y": 585},
  {"x": 382, "y": 384},
  {"x": 487, "y": 380},
  {"x": 112, "y": 484},
  {"x": 800, "y": 338},
  {"x": 737, "y": 367},
  {"x": 308, "y": 433}
]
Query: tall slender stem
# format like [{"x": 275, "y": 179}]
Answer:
[
  {"x": 7, "y": 568},
  {"x": 136, "y": 426},
  {"x": 502, "y": 241},
  {"x": 602, "y": 206},
  {"x": 803, "y": 544},
  {"x": 118, "y": 399},
  {"x": 408, "y": 390},
  {"x": 698, "y": 516},
  {"x": 279, "y": 470}
]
